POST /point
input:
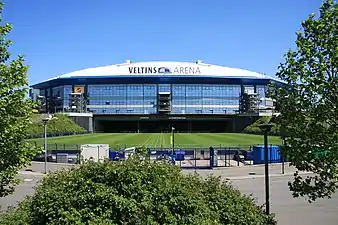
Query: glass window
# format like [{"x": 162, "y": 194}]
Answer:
[{"x": 142, "y": 98}]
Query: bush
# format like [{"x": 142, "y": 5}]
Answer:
[
  {"x": 254, "y": 127},
  {"x": 16, "y": 216},
  {"x": 62, "y": 126},
  {"x": 138, "y": 192}
]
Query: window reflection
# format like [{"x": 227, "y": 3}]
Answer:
[
  {"x": 142, "y": 98},
  {"x": 205, "y": 98}
]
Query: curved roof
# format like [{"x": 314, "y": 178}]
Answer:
[{"x": 163, "y": 68}]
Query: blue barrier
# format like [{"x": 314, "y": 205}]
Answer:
[
  {"x": 116, "y": 155},
  {"x": 273, "y": 154},
  {"x": 180, "y": 155},
  {"x": 112, "y": 155}
]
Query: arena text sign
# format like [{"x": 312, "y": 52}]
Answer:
[{"x": 165, "y": 70}]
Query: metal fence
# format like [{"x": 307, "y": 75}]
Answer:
[
  {"x": 59, "y": 147},
  {"x": 49, "y": 134},
  {"x": 187, "y": 157}
]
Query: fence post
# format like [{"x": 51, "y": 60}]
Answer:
[
  {"x": 220, "y": 157},
  {"x": 211, "y": 160},
  {"x": 228, "y": 156},
  {"x": 195, "y": 157},
  {"x": 282, "y": 158},
  {"x": 56, "y": 146}
]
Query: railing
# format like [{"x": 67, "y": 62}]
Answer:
[
  {"x": 33, "y": 136},
  {"x": 59, "y": 147},
  {"x": 187, "y": 157}
]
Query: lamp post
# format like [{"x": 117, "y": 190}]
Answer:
[
  {"x": 173, "y": 139},
  {"x": 45, "y": 120},
  {"x": 266, "y": 128},
  {"x": 281, "y": 155}
]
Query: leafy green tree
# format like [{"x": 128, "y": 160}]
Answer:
[
  {"x": 308, "y": 104},
  {"x": 15, "y": 115},
  {"x": 135, "y": 191}
]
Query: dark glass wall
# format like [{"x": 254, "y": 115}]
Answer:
[
  {"x": 122, "y": 99},
  {"x": 142, "y": 98}
]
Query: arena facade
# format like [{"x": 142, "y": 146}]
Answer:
[{"x": 156, "y": 96}]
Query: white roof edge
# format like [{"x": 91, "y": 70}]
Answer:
[{"x": 198, "y": 68}]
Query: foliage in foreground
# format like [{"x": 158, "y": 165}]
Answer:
[
  {"x": 308, "y": 104},
  {"x": 15, "y": 114},
  {"x": 62, "y": 125},
  {"x": 135, "y": 192}
]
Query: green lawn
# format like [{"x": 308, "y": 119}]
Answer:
[{"x": 160, "y": 140}]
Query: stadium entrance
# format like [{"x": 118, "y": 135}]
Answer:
[{"x": 110, "y": 124}]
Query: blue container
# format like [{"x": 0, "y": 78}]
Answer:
[{"x": 273, "y": 154}]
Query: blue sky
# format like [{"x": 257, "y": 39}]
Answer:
[{"x": 61, "y": 36}]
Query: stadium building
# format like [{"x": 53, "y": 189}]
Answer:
[{"x": 156, "y": 96}]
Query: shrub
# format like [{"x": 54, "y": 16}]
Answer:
[
  {"x": 62, "y": 126},
  {"x": 139, "y": 192},
  {"x": 254, "y": 127},
  {"x": 16, "y": 216}
]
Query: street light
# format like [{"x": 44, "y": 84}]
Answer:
[
  {"x": 266, "y": 129},
  {"x": 45, "y": 120},
  {"x": 173, "y": 139},
  {"x": 281, "y": 154}
]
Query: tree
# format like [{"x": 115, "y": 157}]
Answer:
[
  {"x": 15, "y": 115},
  {"x": 135, "y": 191},
  {"x": 308, "y": 104}
]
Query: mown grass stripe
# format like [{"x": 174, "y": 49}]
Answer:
[{"x": 156, "y": 140}]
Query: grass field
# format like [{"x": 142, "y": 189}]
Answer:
[{"x": 186, "y": 140}]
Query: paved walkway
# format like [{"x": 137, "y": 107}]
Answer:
[{"x": 234, "y": 171}]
